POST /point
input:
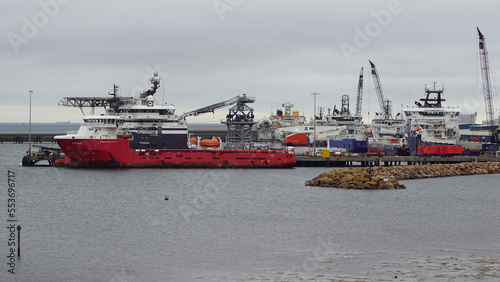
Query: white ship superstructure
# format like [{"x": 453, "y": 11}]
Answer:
[
  {"x": 430, "y": 122},
  {"x": 96, "y": 127},
  {"x": 147, "y": 123},
  {"x": 352, "y": 137},
  {"x": 388, "y": 133},
  {"x": 287, "y": 118}
]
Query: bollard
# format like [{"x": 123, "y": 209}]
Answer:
[{"x": 19, "y": 241}]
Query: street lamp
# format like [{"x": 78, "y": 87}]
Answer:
[
  {"x": 314, "y": 137},
  {"x": 29, "y": 149}
]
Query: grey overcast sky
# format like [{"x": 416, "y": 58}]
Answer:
[{"x": 211, "y": 50}]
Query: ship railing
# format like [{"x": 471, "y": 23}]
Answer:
[{"x": 72, "y": 132}]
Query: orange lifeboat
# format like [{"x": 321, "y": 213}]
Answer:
[
  {"x": 193, "y": 141},
  {"x": 214, "y": 142},
  {"x": 297, "y": 139}
]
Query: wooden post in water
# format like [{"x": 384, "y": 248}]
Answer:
[
  {"x": 29, "y": 149},
  {"x": 19, "y": 241}
]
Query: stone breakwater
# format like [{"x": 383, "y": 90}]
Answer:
[{"x": 387, "y": 177}]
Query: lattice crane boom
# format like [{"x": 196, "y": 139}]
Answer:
[
  {"x": 384, "y": 104},
  {"x": 485, "y": 71},
  {"x": 211, "y": 108},
  {"x": 359, "y": 97}
]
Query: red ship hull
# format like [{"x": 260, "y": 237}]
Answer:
[{"x": 117, "y": 153}]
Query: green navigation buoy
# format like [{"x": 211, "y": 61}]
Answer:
[{"x": 166, "y": 197}]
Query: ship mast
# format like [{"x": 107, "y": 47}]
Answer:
[
  {"x": 288, "y": 108},
  {"x": 345, "y": 105}
]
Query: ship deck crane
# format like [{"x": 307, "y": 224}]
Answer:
[
  {"x": 211, "y": 108},
  {"x": 155, "y": 80},
  {"x": 112, "y": 102},
  {"x": 385, "y": 105},
  {"x": 359, "y": 98},
  {"x": 239, "y": 120},
  {"x": 485, "y": 71}
]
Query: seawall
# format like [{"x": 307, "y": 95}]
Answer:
[{"x": 387, "y": 177}]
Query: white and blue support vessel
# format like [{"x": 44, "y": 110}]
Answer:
[{"x": 429, "y": 123}]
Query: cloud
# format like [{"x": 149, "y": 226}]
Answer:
[{"x": 276, "y": 51}]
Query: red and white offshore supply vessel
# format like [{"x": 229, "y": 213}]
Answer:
[
  {"x": 288, "y": 120},
  {"x": 140, "y": 132}
]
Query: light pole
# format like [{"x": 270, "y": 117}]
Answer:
[
  {"x": 29, "y": 149},
  {"x": 314, "y": 117}
]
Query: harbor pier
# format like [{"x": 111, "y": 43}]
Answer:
[
  {"x": 302, "y": 160},
  {"x": 47, "y": 154},
  {"x": 362, "y": 161},
  {"x": 306, "y": 161},
  {"x": 20, "y": 138}
]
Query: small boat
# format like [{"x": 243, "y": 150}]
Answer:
[
  {"x": 124, "y": 136},
  {"x": 296, "y": 139}
]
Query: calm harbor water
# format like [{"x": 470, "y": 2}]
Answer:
[{"x": 244, "y": 225}]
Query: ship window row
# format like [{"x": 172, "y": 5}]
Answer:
[
  {"x": 389, "y": 122},
  {"x": 159, "y": 146},
  {"x": 159, "y": 111},
  {"x": 101, "y": 120},
  {"x": 433, "y": 113},
  {"x": 439, "y": 113},
  {"x": 142, "y": 128},
  {"x": 431, "y": 126},
  {"x": 151, "y": 121}
]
